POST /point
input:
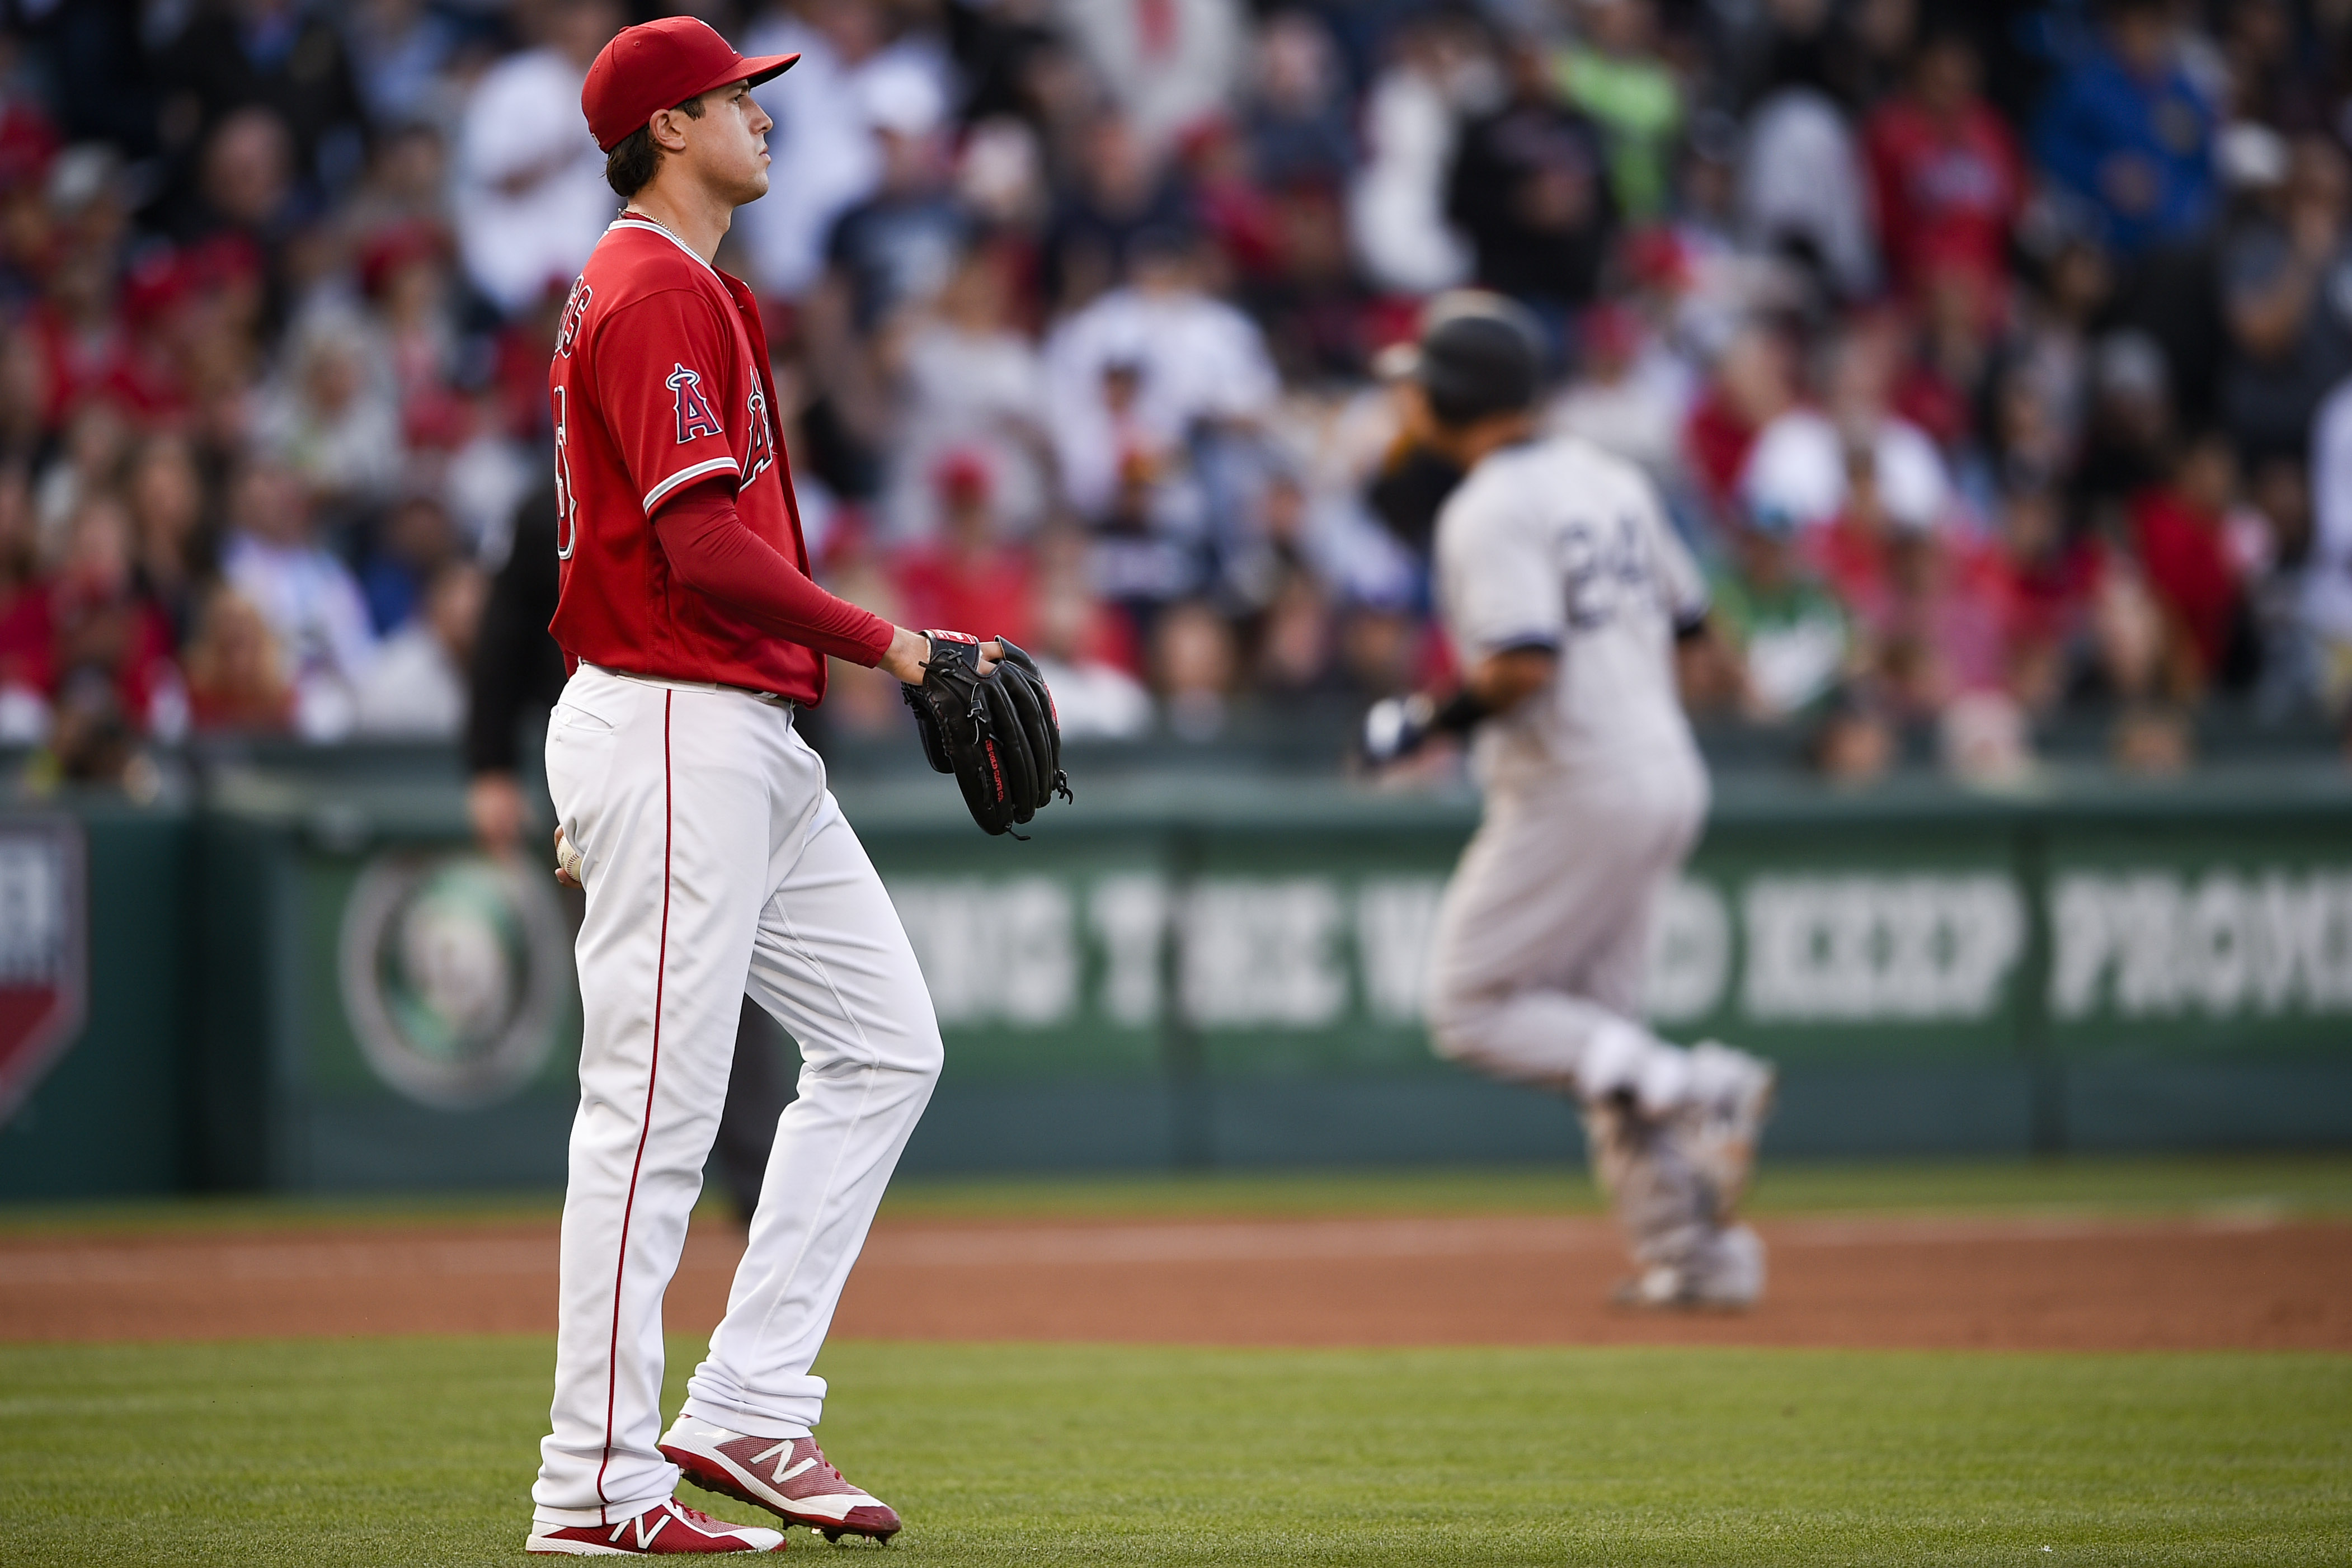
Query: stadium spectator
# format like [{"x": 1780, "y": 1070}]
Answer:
[
  {"x": 1945, "y": 174},
  {"x": 1792, "y": 639},
  {"x": 1168, "y": 65},
  {"x": 2127, "y": 131},
  {"x": 966, "y": 575},
  {"x": 1123, "y": 190},
  {"x": 970, "y": 381},
  {"x": 2286, "y": 280},
  {"x": 331, "y": 420},
  {"x": 403, "y": 278},
  {"x": 531, "y": 199},
  {"x": 2054, "y": 585},
  {"x": 1298, "y": 121},
  {"x": 2178, "y": 532},
  {"x": 414, "y": 542},
  {"x": 1139, "y": 387},
  {"x": 1804, "y": 195},
  {"x": 1633, "y": 396},
  {"x": 248, "y": 186},
  {"x": 90, "y": 618},
  {"x": 399, "y": 50},
  {"x": 1194, "y": 663},
  {"x": 169, "y": 540},
  {"x": 1396, "y": 205},
  {"x": 280, "y": 55},
  {"x": 895, "y": 248},
  {"x": 1800, "y": 462},
  {"x": 823, "y": 130},
  {"x": 237, "y": 682},
  {"x": 414, "y": 688},
  {"x": 1614, "y": 73},
  {"x": 1529, "y": 187},
  {"x": 1751, "y": 383},
  {"x": 306, "y": 597},
  {"x": 1096, "y": 698}
]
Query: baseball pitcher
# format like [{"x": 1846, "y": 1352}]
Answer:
[
  {"x": 715, "y": 861},
  {"x": 1564, "y": 591}
]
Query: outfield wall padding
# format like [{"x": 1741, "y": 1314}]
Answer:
[{"x": 312, "y": 984}]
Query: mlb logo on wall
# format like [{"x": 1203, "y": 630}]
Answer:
[{"x": 43, "y": 951}]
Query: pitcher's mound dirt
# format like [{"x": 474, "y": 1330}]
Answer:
[{"x": 2013, "y": 1283}]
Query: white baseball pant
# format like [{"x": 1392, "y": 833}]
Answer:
[
  {"x": 716, "y": 862},
  {"x": 1543, "y": 935}
]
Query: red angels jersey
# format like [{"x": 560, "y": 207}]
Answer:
[{"x": 660, "y": 380}]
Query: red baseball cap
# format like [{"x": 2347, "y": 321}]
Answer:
[{"x": 659, "y": 64}]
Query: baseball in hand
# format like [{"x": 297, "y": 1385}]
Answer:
[{"x": 567, "y": 861}]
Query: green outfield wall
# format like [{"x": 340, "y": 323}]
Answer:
[{"x": 311, "y": 983}]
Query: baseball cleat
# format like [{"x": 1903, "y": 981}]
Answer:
[
  {"x": 1731, "y": 1096},
  {"x": 787, "y": 1476},
  {"x": 1727, "y": 1274},
  {"x": 667, "y": 1527}
]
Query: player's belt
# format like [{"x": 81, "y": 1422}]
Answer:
[{"x": 773, "y": 699}]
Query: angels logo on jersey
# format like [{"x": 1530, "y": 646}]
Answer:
[
  {"x": 694, "y": 415},
  {"x": 763, "y": 449}
]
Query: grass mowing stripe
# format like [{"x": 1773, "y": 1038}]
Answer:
[
  {"x": 421, "y": 1451},
  {"x": 2317, "y": 1185}
]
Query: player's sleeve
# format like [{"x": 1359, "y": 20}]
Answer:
[
  {"x": 712, "y": 552},
  {"x": 660, "y": 364},
  {"x": 1499, "y": 578}
]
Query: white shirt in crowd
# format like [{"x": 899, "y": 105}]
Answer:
[
  {"x": 532, "y": 201},
  {"x": 1802, "y": 178},
  {"x": 823, "y": 139},
  {"x": 1097, "y": 702},
  {"x": 355, "y": 451},
  {"x": 1197, "y": 358},
  {"x": 2328, "y": 586},
  {"x": 1169, "y": 64},
  {"x": 315, "y": 611},
  {"x": 1639, "y": 416},
  {"x": 414, "y": 690},
  {"x": 1797, "y": 470},
  {"x": 1554, "y": 543},
  {"x": 979, "y": 391},
  {"x": 1396, "y": 207}
]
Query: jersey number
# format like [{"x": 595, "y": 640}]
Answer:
[
  {"x": 694, "y": 415},
  {"x": 567, "y": 505},
  {"x": 1604, "y": 568}
]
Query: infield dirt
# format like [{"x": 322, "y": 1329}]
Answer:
[{"x": 2039, "y": 1282}]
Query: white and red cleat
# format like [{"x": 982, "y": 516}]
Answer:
[
  {"x": 667, "y": 1527},
  {"x": 786, "y": 1476}
]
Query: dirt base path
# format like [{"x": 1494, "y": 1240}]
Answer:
[{"x": 2015, "y": 1283}]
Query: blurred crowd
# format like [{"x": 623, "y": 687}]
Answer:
[{"x": 1993, "y": 358}]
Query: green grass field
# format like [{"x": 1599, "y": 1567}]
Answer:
[
  {"x": 2288, "y": 1186},
  {"x": 420, "y": 1451}
]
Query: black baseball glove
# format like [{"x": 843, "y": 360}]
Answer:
[{"x": 997, "y": 733}]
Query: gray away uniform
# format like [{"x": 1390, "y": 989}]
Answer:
[
  {"x": 1594, "y": 787},
  {"x": 1595, "y": 793}
]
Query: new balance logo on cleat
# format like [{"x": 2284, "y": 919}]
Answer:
[
  {"x": 788, "y": 1477},
  {"x": 667, "y": 1529},
  {"x": 783, "y": 1454}
]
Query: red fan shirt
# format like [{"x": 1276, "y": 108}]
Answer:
[
  {"x": 1946, "y": 194},
  {"x": 660, "y": 381}
]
